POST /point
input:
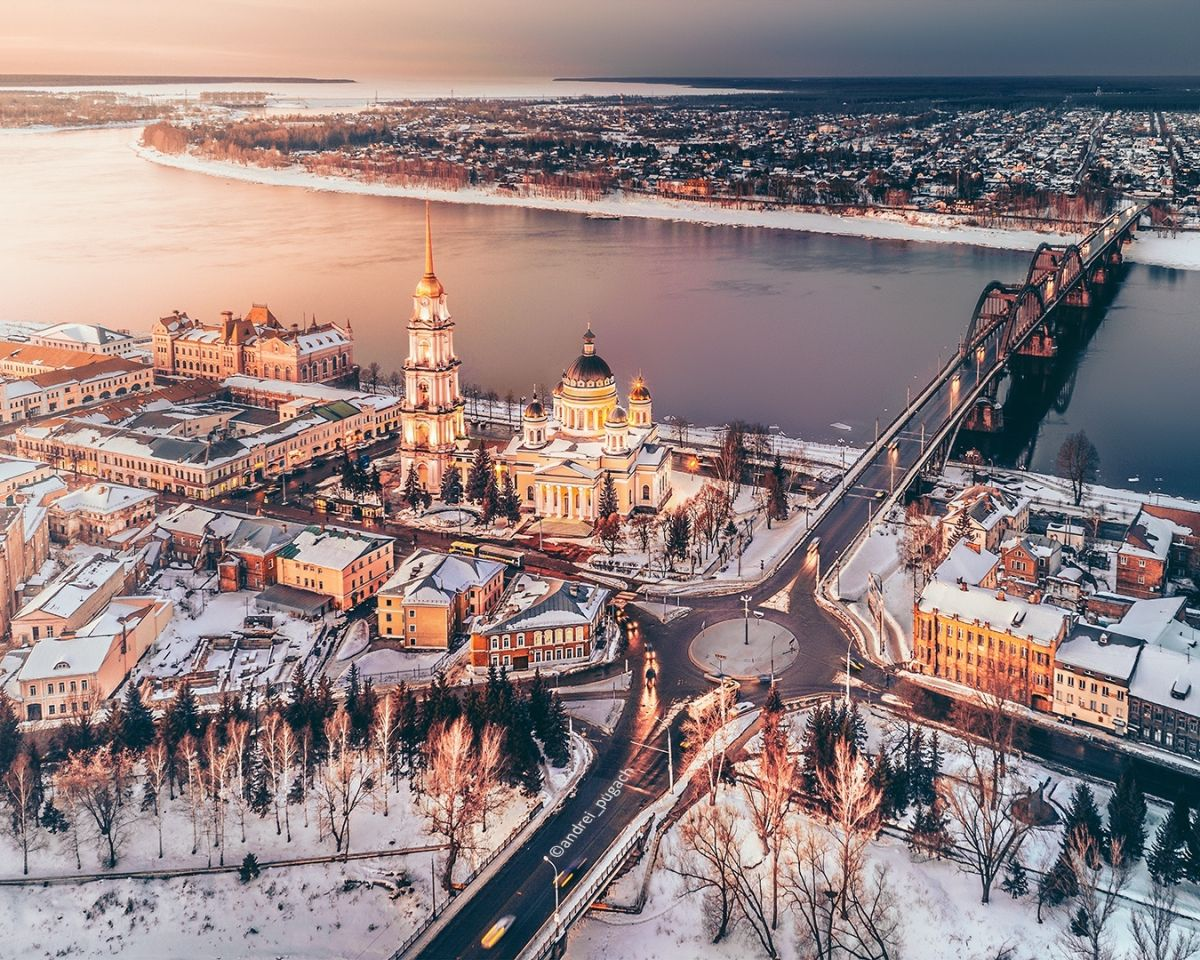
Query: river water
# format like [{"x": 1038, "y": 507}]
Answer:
[{"x": 802, "y": 331}]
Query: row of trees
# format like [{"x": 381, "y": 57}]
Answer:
[
  {"x": 309, "y": 754},
  {"x": 752, "y": 857}
]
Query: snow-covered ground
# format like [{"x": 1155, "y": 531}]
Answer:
[
  {"x": 315, "y": 911},
  {"x": 1182, "y": 251},
  {"x": 939, "y": 906}
]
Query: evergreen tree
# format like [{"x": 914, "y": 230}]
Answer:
[
  {"x": 1127, "y": 817},
  {"x": 489, "y": 503},
  {"x": 1016, "y": 881},
  {"x": 414, "y": 493},
  {"x": 930, "y": 834},
  {"x": 10, "y": 733},
  {"x": 933, "y": 763},
  {"x": 353, "y": 691},
  {"x": 524, "y": 768},
  {"x": 607, "y": 504},
  {"x": 539, "y": 703},
  {"x": 919, "y": 786},
  {"x": 1057, "y": 885},
  {"x": 1166, "y": 859},
  {"x": 136, "y": 721},
  {"x": 776, "y": 482},
  {"x": 1083, "y": 820},
  {"x": 297, "y": 712},
  {"x": 482, "y": 475},
  {"x": 555, "y": 738},
  {"x": 451, "y": 491},
  {"x": 181, "y": 717},
  {"x": 510, "y": 500}
]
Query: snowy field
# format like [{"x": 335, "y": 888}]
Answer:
[
  {"x": 1182, "y": 251},
  {"x": 939, "y": 906}
]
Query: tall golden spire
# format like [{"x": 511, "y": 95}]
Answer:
[{"x": 429, "y": 286}]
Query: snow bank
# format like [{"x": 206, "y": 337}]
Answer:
[{"x": 1156, "y": 251}]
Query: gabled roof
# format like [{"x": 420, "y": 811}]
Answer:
[
  {"x": 1100, "y": 650},
  {"x": 334, "y": 548},
  {"x": 1038, "y": 622},
  {"x": 534, "y": 603},
  {"x": 433, "y": 578}
]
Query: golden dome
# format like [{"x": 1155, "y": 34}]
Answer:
[
  {"x": 429, "y": 286},
  {"x": 639, "y": 390}
]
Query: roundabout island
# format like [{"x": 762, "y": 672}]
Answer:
[{"x": 744, "y": 649}]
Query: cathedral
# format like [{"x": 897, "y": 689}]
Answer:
[
  {"x": 563, "y": 453},
  {"x": 431, "y": 418},
  {"x": 562, "y": 456}
]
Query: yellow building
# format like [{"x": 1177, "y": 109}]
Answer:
[
  {"x": 77, "y": 595},
  {"x": 561, "y": 457},
  {"x": 1093, "y": 668},
  {"x": 989, "y": 641},
  {"x": 348, "y": 566},
  {"x": 430, "y": 597},
  {"x": 65, "y": 676}
]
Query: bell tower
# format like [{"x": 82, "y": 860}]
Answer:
[{"x": 431, "y": 417}]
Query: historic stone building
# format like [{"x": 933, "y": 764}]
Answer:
[
  {"x": 431, "y": 418},
  {"x": 561, "y": 457},
  {"x": 256, "y": 345}
]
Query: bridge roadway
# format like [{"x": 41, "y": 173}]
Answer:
[{"x": 522, "y": 887}]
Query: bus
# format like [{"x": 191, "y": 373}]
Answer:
[
  {"x": 464, "y": 548},
  {"x": 505, "y": 555}
]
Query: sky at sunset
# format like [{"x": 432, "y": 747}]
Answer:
[{"x": 541, "y": 38}]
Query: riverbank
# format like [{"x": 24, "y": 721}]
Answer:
[{"x": 1182, "y": 252}]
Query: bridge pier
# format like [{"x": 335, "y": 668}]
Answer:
[
  {"x": 1041, "y": 344},
  {"x": 985, "y": 416}
]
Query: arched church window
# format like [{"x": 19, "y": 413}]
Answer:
[{"x": 645, "y": 491}]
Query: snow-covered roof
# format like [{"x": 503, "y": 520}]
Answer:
[
  {"x": 13, "y": 467},
  {"x": 1039, "y": 622},
  {"x": 74, "y": 587},
  {"x": 89, "y": 333},
  {"x": 103, "y": 498},
  {"x": 1100, "y": 651},
  {"x": 1148, "y": 537},
  {"x": 1149, "y": 619},
  {"x": 427, "y": 577},
  {"x": 535, "y": 603},
  {"x": 334, "y": 548},
  {"x": 966, "y": 564},
  {"x": 1168, "y": 678},
  {"x": 66, "y": 657}
]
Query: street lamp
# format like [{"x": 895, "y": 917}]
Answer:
[
  {"x": 555, "y": 869},
  {"x": 746, "y": 598}
]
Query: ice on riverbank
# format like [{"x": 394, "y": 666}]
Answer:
[{"x": 1182, "y": 251}]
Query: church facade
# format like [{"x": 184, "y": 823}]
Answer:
[
  {"x": 432, "y": 424},
  {"x": 563, "y": 454}
]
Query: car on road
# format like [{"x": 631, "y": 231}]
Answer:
[
  {"x": 571, "y": 873},
  {"x": 742, "y": 707},
  {"x": 497, "y": 931}
]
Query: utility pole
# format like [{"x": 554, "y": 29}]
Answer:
[{"x": 746, "y": 598}]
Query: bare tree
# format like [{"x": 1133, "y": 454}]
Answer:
[
  {"x": 708, "y": 840},
  {"x": 188, "y": 752},
  {"x": 385, "y": 728},
  {"x": 237, "y": 744},
  {"x": 101, "y": 784},
  {"x": 489, "y": 758},
  {"x": 346, "y": 779},
  {"x": 1155, "y": 931},
  {"x": 22, "y": 793},
  {"x": 1078, "y": 462},
  {"x": 158, "y": 766},
  {"x": 920, "y": 546},
  {"x": 854, "y": 812},
  {"x": 701, "y": 730},
  {"x": 980, "y": 806},
  {"x": 215, "y": 778},
  {"x": 770, "y": 793},
  {"x": 450, "y": 790},
  {"x": 1100, "y": 888}
]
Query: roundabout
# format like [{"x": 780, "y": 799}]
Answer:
[{"x": 744, "y": 649}]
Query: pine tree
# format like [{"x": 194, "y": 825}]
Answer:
[
  {"x": 182, "y": 716},
  {"x": 297, "y": 713},
  {"x": 930, "y": 835},
  {"x": 539, "y": 703},
  {"x": 510, "y": 500},
  {"x": 1127, "y": 817},
  {"x": 452, "y": 486},
  {"x": 1083, "y": 820},
  {"x": 1166, "y": 859},
  {"x": 136, "y": 721},
  {"x": 555, "y": 739},
  {"x": 777, "y": 503},
  {"x": 482, "y": 475},
  {"x": 1016, "y": 881},
  {"x": 524, "y": 768},
  {"x": 414, "y": 493},
  {"x": 608, "y": 504},
  {"x": 10, "y": 733},
  {"x": 490, "y": 500}
]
